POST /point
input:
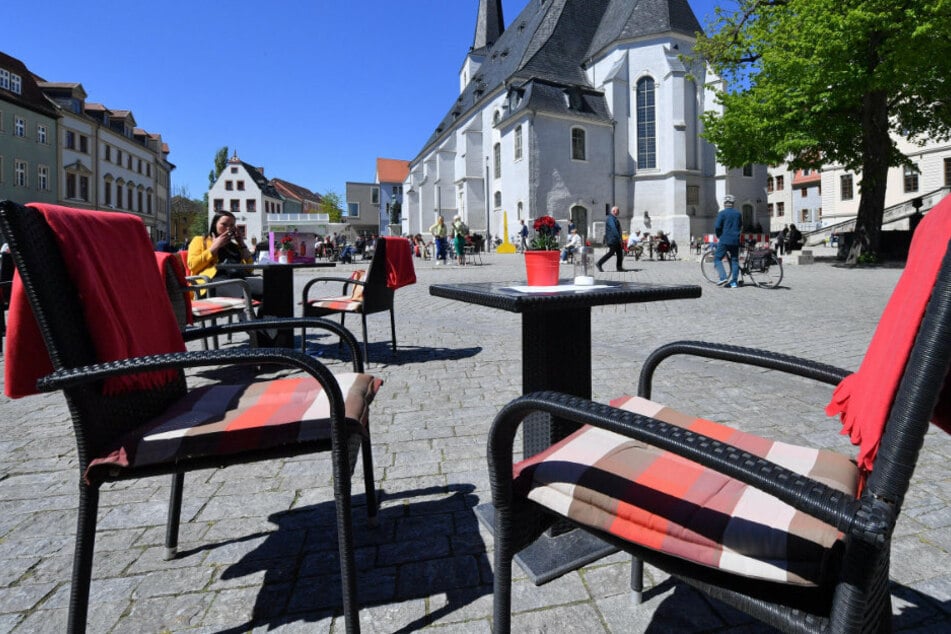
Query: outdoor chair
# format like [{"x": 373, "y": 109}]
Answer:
[
  {"x": 795, "y": 536},
  {"x": 206, "y": 306},
  {"x": 120, "y": 366},
  {"x": 366, "y": 292}
]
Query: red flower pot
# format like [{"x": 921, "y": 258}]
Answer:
[{"x": 541, "y": 267}]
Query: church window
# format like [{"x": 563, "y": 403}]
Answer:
[
  {"x": 646, "y": 125},
  {"x": 497, "y": 160},
  {"x": 578, "y": 143},
  {"x": 498, "y": 200},
  {"x": 518, "y": 143}
]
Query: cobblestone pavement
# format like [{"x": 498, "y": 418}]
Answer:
[{"x": 257, "y": 541}]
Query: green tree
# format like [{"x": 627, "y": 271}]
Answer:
[
  {"x": 331, "y": 205},
  {"x": 816, "y": 82},
  {"x": 189, "y": 216},
  {"x": 221, "y": 161}
]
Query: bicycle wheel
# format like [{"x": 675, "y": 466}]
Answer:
[
  {"x": 709, "y": 270},
  {"x": 768, "y": 274}
]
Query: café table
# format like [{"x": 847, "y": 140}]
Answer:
[
  {"x": 559, "y": 314},
  {"x": 277, "y": 299}
]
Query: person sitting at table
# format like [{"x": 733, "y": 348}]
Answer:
[
  {"x": 574, "y": 243},
  {"x": 223, "y": 245}
]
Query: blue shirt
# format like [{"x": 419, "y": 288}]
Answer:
[
  {"x": 612, "y": 230},
  {"x": 728, "y": 226}
]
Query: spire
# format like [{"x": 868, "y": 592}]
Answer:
[{"x": 489, "y": 24}]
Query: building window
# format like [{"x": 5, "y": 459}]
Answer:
[
  {"x": 118, "y": 157},
  {"x": 83, "y": 144},
  {"x": 521, "y": 208},
  {"x": 518, "y": 143},
  {"x": 693, "y": 194},
  {"x": 43, "y": 178},
  {"x": 70, "y": 142},
  {"x": 148, "y": 200},
  {"x": 41, "y": 134},
  {"x": 229, "y": 185},
  {"x": 769, "y": 184},
  {"x": 251, "y": 205},
  {"x": 780, "y": 209},
  {"x": 234, "y": 170},
  {"x": 19, "y": 126},
  {"x": 240, "y": 186},
  {"x": 148, "y": 170},
  {"x": 780, "y": 183},
  {"x": 138, "y": 166},
  {"x": 947, "y": 172},
  {"x": 219, "y": 204},
  {"x": 128, "y": 197},
  {"x": 107, "y": 193},
  {"x": 235, "y": 205},
  {"x": 139, "y": 200},
  {"x": 803, "y": 192},
  {"x": 128, "y": 162},
  {"x": 911, "y": 179},
  {"x": 19, "y": 174},
  {"x": 84, "y": 188},
  {"x": 845, "y": 186},
  {"x": 70, "y": 185},
  {"x": 646, "y": 125},
  {"x": 4, "y": 79},
  {"x": 375, "y": 195},
  {"x": 769, "y": 209},
  {"x": 118, "y": 195},
  {"x": 108, "y": 152},
  {"x": 16, "y": 84},
  {"x": 353, "y": 210},
  {"x": 578, "y": 143},
  {"x": 497, "y": 160},
  {"x": 748, "y": 171},
  {"x": 497, "y": 199}
]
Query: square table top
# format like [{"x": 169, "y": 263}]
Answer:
[{"x": 517, "y": 298}]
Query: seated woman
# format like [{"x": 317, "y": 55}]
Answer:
[{"x": 222, "y": 245}]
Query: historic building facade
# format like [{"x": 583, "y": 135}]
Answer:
[{"x": 575, "y": 106}]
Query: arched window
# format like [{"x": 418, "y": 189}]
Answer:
[
  {"x": 518, "y": 143},
  {"x": 578, "y": 142},
  {"x": 520, "y": 208},
  {"x": 646, "y": 125},
  {"x": 498, "y": 200},
  {"x": 497, "y": 160}
]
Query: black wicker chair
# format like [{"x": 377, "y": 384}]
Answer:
[
  {"x": 100, "y": 420},
  {"x": 853, "y": 594},
  {"x": 370, "y": 294}
]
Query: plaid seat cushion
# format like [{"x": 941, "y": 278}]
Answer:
[
  {"x": 661, "y": 501},
  {"x": 343, "y": 304},
  {"x": 229, "y": 419},
  {"x": 211, "y": 306}
]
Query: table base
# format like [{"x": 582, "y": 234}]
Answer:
[{"x": 549, "y": 557}]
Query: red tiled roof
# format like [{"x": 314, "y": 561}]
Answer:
[{"x": 391, "y": 170}]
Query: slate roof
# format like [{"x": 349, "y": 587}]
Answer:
[
  {"x": 258, "y": 177},
  {"x": 31, "y": 96},
  {"x": 544, "y": 50},
  {"x": 489, "y": 25}
]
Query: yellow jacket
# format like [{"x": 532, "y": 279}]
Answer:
[{"x": 201, "y": 261}]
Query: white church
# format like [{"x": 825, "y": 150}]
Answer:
[{"x": 573, "y": 107}]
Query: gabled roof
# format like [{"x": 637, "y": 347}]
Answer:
[
  {"x": 296, "y": 192},
  {"x": 391, "y": 170},
  {"x": 552, "y": 42},
  {"x": 258, "y": 177}
]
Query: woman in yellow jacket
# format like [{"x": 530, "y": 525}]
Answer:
[{"x": 223, "y": 244}]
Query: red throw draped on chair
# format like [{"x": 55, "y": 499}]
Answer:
[
  {"x": 864, "y": 398},
  {"x": 399, "y": 263},
  {"x": 115, "y": 247}
]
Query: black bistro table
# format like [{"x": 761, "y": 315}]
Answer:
[
  {"x": 563, "y": 316},
  {"x": 277, "y": 299}
]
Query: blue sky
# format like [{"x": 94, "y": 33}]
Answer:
[{"x": 312, "y": 90}]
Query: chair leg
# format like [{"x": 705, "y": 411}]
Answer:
[
  {"x": 637, "y": 581},
  {"x": 369, "y": 484},
  {"x": 348, "y": 565},
  {"x": 82, "y": 558},
  {"x": 174, "y": 516},
  {"x": 393, "y": 328},
  {"x": 366, "y": 350},
  {"x": 502, "y": 585}
]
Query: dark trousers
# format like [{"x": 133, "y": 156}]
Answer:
[{"x": 616, "y": 251}]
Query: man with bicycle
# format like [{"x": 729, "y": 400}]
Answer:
[{"x": 728, "y": 226}]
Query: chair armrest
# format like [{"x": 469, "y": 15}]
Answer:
[
  {"x": 867, "y": 519},
  {"x": 738, "y": 354},
  {"x": 197, "y": 278},
  {"x": 346, "y": 281},
  {"x": 245, "y": 291}
]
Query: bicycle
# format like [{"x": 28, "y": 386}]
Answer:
[{"x": 761, "y": 265}]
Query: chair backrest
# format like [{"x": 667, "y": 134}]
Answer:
[
  {"x": 924, "y": 377},
  {"x": 183, "y": 255},
  {"x": 55, "y": 302},
  {"x": 377, "y": 295}
]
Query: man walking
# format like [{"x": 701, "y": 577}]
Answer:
[
  {"x": 612, "y": 238},
  {"x": 728, "y": 225}
]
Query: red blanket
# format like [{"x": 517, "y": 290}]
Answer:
[
  {"x": 171, "y": 264},
  {"x": 399, "y": 263},
  {"x": 864, "y": 398},
  {"x": 124, "y": 300}
]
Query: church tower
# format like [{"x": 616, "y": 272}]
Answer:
[{"x": 489, "y": 27}]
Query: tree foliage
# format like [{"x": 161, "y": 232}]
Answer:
[
  {"x": 815, "y": 82},
  {"x": 189, "y": 216},
  {"x": 221, "y": 161},
  {"x": 331, "y": 205}
]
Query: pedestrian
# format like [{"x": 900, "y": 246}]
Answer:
[
  {"x": 793, "y": 240},
  {"x": 459, "y": 233},
  {"x": 612, "y": 238},
  {"x": 523, "y": 235},
  {"x": 439, "y": 232},
  {"x": 727, "y": 227}
]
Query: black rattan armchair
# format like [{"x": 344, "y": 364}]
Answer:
[
  {"x": 839, "y": 586},
  {"x": 159, "y": 430}
]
